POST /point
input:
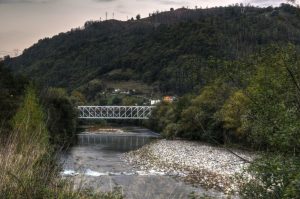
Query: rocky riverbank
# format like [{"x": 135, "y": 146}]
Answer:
[{"x": 196, "y": 163}]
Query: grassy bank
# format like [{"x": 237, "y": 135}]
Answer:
[{"x": 28, "y": 166}]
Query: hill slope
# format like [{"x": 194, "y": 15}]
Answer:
[{"x": 172, "y": 52}]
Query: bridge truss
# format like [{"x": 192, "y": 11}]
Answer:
[{"x": 115, "y": 112}]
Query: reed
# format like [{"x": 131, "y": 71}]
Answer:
[{"x": 28, "y": 164}]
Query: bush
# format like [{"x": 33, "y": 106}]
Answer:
[
  {"x": 171, "y": 131},
  {"x": 273, "y": 176},
  {"x": 61, "y": 116}
]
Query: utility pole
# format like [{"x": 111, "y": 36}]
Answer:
[{"x": 106, "y": 16}]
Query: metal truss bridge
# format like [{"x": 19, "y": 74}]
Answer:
[{"x": 115, "y": 112}]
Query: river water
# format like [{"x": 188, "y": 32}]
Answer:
[{"x": 96, "y": 163}]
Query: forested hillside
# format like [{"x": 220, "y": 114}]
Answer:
[{"x": 173, "y": 52}]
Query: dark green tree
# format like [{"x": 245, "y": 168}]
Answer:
[{"x": 61, "y": 116}]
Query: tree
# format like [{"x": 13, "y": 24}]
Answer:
[
  {"x": 138, "y": 17},
  {"x": 116, "y": 100},
  {"x": 161, "y": 116},
  {"x": 273, "y": 118},
  {"x": 61, "y": 116},
  {"x": 77, "y": 98},
  {"x": 29, "y": 125},
  {"x": 233, "y": 112},
  {"x": 11, "y": 91},
  {"x": 200, "y": 121}
]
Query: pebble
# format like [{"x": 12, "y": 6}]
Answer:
[{"x": 196, "y": 163}]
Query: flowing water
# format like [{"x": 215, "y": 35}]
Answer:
[{"x": 96, "y": 163}]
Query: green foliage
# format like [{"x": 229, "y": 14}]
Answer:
[
  {"x": 28, "y": 166},
  {"x": 131, "y": 101},
  {"x": 263, "y": 110},
  {"x": 178, "y": 51},
  {"x": 163, "y": 115},
  {"x": 77, "y": 98},
  {"x": 171, "y": 130},
  {"x": 199, "y": 120},
  {"x": 274, "y": 109},
  {"x": 194, "y": 117},
  {"x": 233, "y": 113},
  {"x": 11, "y": 91},
  {"x": 273, "y": 176},
  {"x": 258, "y": 108},
  {"x": 28, "y": 124},
  {"x": 92, "y": 88},
  {"x": 61, "y": 115},
  {"x": 116, "y": 100},
  {"x": 249, "y": 88},
  {"x": 23, "y": 164}
]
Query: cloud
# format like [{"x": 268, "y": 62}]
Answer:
[
  {"x": 265, "y": 2},
  {"x": 171, "y": 2},
  {"x": 22, "y": 1},
  {"x": 104, "y": 1},
  {"x": 167, "y": 2}
]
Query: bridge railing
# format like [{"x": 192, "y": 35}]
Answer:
[{"x": 115, "y": 112}]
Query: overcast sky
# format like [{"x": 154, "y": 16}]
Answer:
[{"x": 24, "y": 22}]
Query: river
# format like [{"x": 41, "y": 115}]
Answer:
[{"x": 96, "y": 163}]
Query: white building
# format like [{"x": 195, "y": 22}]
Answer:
[{"x": 154, "y": 102}]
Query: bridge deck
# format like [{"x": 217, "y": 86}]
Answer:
[{"x": 115, "y": 112}]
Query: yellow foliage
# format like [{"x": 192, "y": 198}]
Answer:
[
  {"x": 29, "y": 128},
  {"x": 233, "y": 111}
]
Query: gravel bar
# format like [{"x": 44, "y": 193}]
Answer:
[{"x": 196, "y": 163}]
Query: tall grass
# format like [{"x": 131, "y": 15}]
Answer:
[{"x": 28, "y": 167}]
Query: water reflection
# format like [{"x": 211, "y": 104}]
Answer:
[
  {"x": 115, "y": 142},
  {"x": 96, "y": 163}
]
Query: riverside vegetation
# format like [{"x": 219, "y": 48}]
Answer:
[
  {"x": 260, "y": 112},
  {"x": 28, "y": 166},
  {"x": 235, "y": 69}
]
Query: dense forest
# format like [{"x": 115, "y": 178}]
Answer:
[
  {"x": 235, "y": 70},
  {"x": 172, "y": 52}
]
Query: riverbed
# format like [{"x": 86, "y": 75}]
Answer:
[
  {"x": 197, "y": 163},
  {"x": 97, "y": 163}
]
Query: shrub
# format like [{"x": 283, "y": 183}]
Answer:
[
  {"x": 61, "y": 116},
  {"x": 273, "y": 176}
]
